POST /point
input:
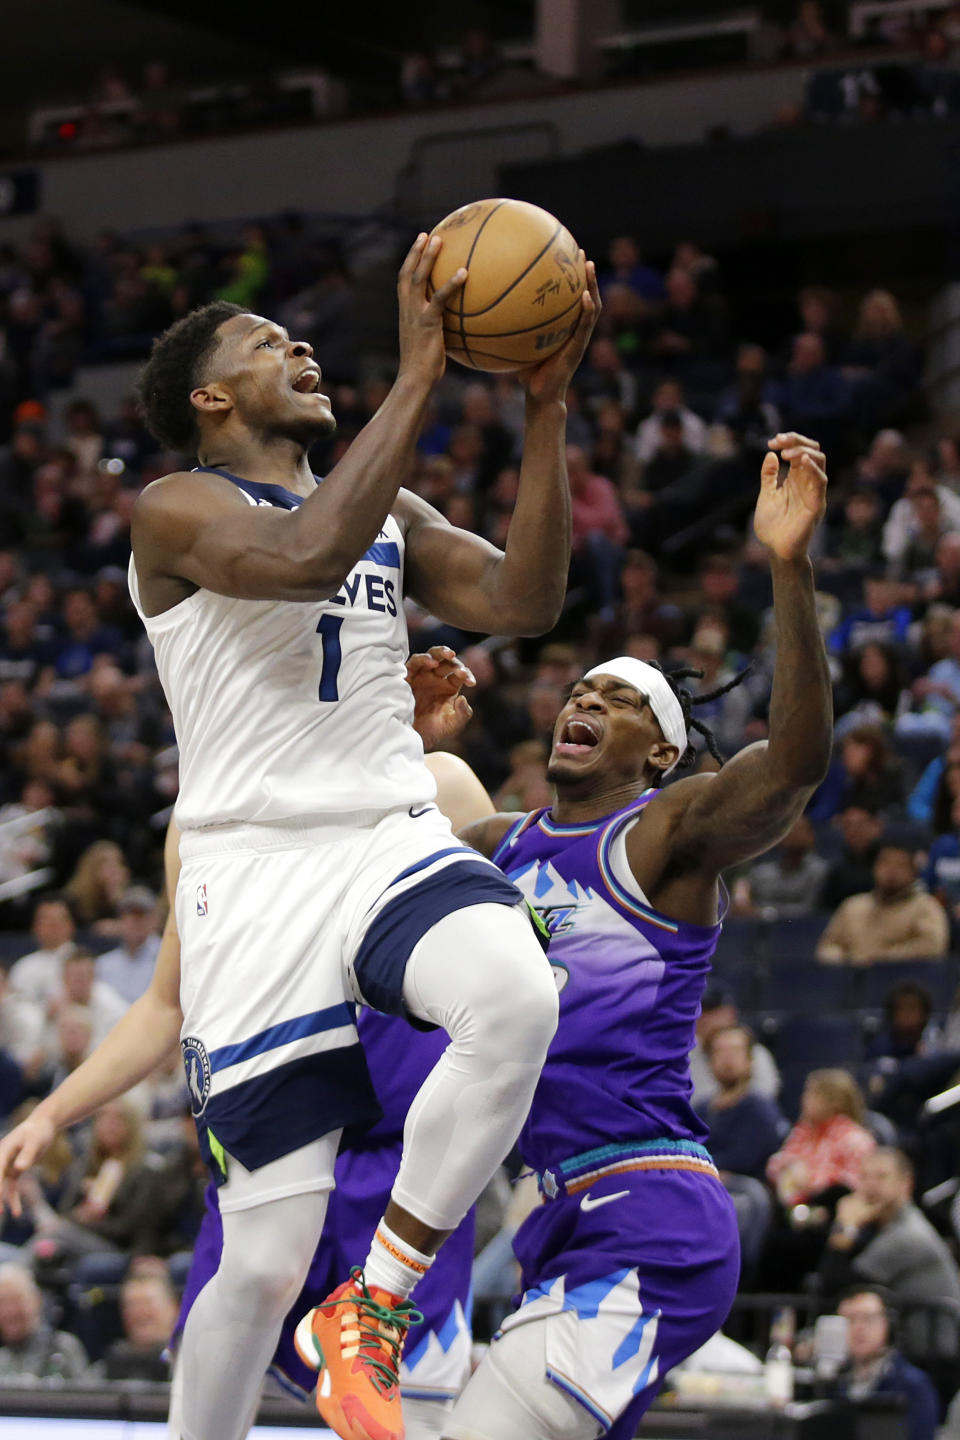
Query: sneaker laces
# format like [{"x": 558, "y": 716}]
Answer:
[{"x": 375, "y": 1323}]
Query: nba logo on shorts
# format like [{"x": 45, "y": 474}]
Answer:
[{"x": 201, "y": 899}]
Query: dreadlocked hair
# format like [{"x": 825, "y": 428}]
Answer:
[
  {"x": 687, "y": 700},
  {"x": 175, "y": 368}
]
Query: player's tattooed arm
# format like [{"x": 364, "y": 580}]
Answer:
[
  {"x": 485, "y": 835},
  {"x": 519, "y": 590},
  {"x": 720, "y": 820}
]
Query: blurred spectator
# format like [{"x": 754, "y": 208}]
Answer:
[
  {"x": 745, "y": 1130},
  {"x": 79, "y": 986},
  {"x": 641, "y": 609},
  {"x": 817, "y": 309},
  {"x": 526, "y": 786},
  {"x": 907, "y": 1031},
  {"x": 876, "y": 1367},
  {"x": 851, "y": 873},
  {"x": 809, "y": 37},
  {"x": 599, "y": 531},
  {"x": 718, "y": 1012},
  {"x": 148, "y": 1311},
  {"x": 668, "y": 400},
  {"x": 748, "y": 409},
  {"x": 625, "y": 267},
  {"x": 896, "y": 920},
  {"x": 826, "y": 1149},
  {"x": 128, "y": 969},
  {"x": 727, "y": 714},
  {"x": 879, "y": 1236},
  {"x": 856, "y": 543},
  {"x": 21, "y": 1030},
  {"x": 882, "y": 618},
  {"x": 692, "y": 326},
  {"x": 606, "y": 377},
  {"x": 882, "y": 362},
  {"x": 919, "y": 520},
  {"x": 98, "y": 884},
  {"x": 159, "y": 103},
  {"x": 30, "y": 1348},
  {"x": 70, "y": 1045},
  {"x": 85, "y": 637},
  {"x": 936, "y": 694},
  {"x": 873, "y": 690},
  {"x": 816, "y": 397},
  {"x": 718, "y": 596},
  {"x": 866, "y": 773},
  {"x": 249, "y": 267},
  {"x": 745, "y": 1127},
  {"x": 36, "y": 977},
  {"x": 120, "y": 1202},
  {"x": 789, "y": 883}
]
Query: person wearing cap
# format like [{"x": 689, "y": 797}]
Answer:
[
  {"x": 129, "y": 966},
  {"x": 631, "y": 1261}
]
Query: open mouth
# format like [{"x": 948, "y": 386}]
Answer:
[
  {"x": 578, "y": 737},
  {"x": 308, "y": 381}
]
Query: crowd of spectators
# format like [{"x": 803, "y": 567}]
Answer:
[
  {"x": 905, "y": 62},
  {"x": 668, "y": 420}
]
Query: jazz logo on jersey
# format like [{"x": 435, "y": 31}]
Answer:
[
  {"x": 201, "y": 899},
  {"x": 196, "y": 1063},
  {"x": 557, "y": 918}
]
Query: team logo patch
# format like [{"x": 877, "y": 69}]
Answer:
[
  {"x": 201, "y": 899},
  {"x": 196, "y": 1063}
]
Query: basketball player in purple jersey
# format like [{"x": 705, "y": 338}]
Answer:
[{"x": 631, "y": 1261}]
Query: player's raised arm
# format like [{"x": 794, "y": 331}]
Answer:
[
  {"x": 136, "y": 1045},
  {"x": 255, "y": 403},
  {"x": 714, "y": 821},
  {"x": 517, "y": 591}
]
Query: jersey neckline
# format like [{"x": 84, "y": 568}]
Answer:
[{"x": 259, "y": 489}]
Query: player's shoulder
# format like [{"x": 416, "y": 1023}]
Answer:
[
  {"x": 182, "y": 494},
  {"x": 487, "y": 834}
]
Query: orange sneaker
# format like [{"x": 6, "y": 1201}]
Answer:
[{"x": 354, "y": 1340}]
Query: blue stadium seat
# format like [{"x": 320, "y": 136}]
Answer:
[
  {"x": 803, "y": 987},
  {"x": 938, "y": 976},
  {"x": 790, "y": 941},
  {"x": 802, "y": 1043}
]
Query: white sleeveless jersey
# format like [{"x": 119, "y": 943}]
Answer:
[{"x": 290, "y": 711}]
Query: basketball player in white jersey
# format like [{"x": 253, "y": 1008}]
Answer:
[{"x": 317, "y": 874}]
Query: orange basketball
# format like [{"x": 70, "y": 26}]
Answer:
[{"x": 521, "y": 300}]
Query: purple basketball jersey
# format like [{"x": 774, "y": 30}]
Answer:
[{"x": 630, "y": 981}]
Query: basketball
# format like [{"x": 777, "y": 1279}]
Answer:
[{"x": 521, "y": 299}]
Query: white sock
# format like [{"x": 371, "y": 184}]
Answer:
[{"x": 393, "y": 1264}]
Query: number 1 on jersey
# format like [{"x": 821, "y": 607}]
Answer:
[{"x": 329, "y": 632}]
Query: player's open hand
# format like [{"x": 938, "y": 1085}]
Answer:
[
  {"x": 23, "y": 1147},
  {"x": 789, "y": 510},
  {"x": 421, "y": 315},
  {"x": 549, "y": 380},
  {"x": 440, "y": 710}
]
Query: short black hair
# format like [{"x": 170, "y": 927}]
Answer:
[{"x": 175, "y": 369}]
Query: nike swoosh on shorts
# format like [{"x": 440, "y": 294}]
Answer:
[
  {"x": 587, "y": 1204},
  {"x": 415, "y": 814}
]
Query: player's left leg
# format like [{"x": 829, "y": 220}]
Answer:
[{"x": 271, "y": 1218}]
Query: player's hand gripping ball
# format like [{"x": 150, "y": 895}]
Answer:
[{"x": 521, "y": 299}]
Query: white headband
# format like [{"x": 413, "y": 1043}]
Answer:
[{"x": 652, "y": 683}]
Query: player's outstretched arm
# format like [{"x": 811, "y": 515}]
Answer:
[
  {"x": 135, "y": 1046},
  {"x": 437, "y": 678},
  {"x": 464, "y": 579},
  {"x": 718, "y": 820},
  {"x": 199, "y": 528}
]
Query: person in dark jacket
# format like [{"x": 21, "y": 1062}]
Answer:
[
  {"x": 745, "y": 1130},
  {"x": 875, "y": 1367}
]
